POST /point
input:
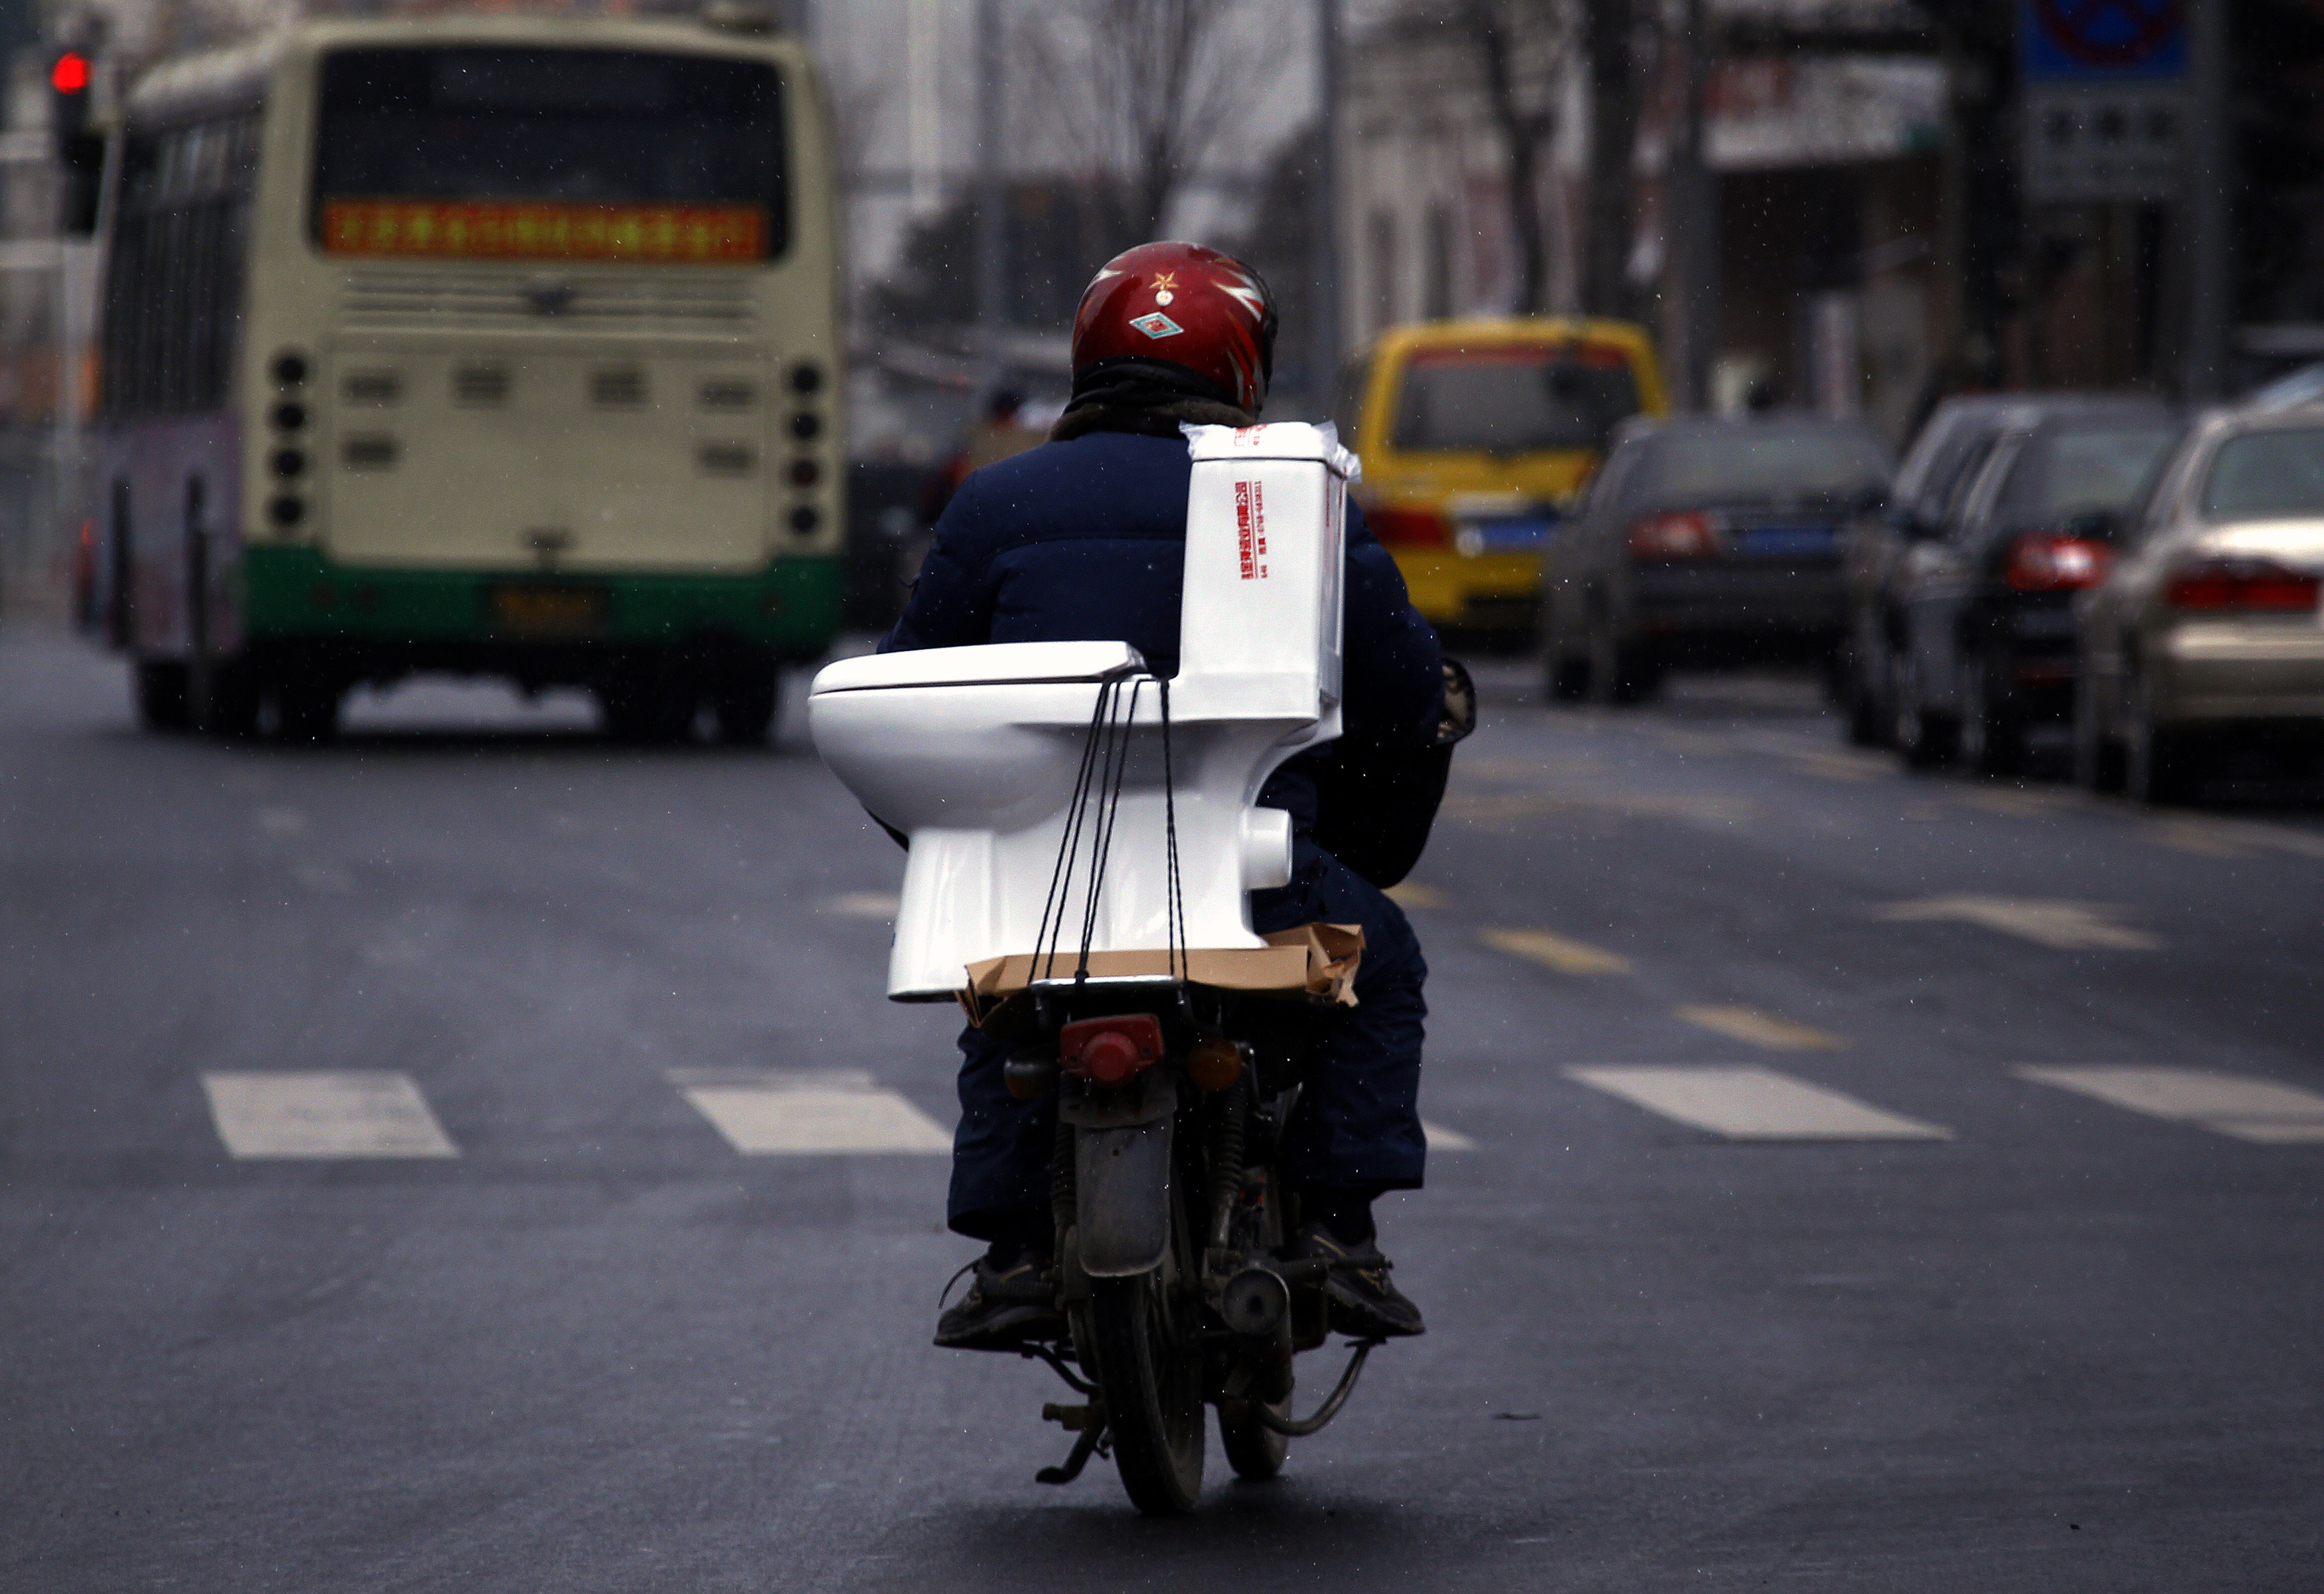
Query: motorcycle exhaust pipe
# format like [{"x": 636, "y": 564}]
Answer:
[{"x": 1256, "y": 1302}]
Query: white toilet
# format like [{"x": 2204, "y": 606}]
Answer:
[{"x": 976, "y": 752}]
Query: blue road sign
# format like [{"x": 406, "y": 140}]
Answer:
[{"x": 2102, "y": 40}]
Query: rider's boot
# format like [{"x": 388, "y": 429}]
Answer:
[
  {"x": 1364, "y": 1303},
  {"x": 1009, "y": 1300}
]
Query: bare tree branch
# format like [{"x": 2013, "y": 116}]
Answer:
[
  {"x": 1142, "y": 92},
  {"x": 1519, "y": 51}
]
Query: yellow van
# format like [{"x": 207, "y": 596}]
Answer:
[{"x": 1476, "y": 437}]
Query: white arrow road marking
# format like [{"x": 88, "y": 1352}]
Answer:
[
  {"x": 352, "y": 1113},
  {"x": 2242, "y": 1104},
  {"x": 832, "y": 1112},
  {"x": 1755, "y": 1104},
  {"x": 2069, "y": 926}
]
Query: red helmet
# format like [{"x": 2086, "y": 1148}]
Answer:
[{"x": 1179, "y": 311}]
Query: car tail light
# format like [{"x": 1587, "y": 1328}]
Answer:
[
  {"x": 1674, "y": 536},
  {"x": 1410, "y": 528},
  {"x": 2246, "y": 585},
  {"x": 1112, "y": 1050},
  {"x": 2041, "y": 561}
]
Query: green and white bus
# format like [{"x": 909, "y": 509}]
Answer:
[{"x": 487, "y": 344}]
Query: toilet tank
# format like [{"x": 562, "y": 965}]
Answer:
[{"x": 1266, "y": 534}]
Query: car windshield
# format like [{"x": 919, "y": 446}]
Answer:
[
  {"x": 1758, "y": 462},
  {"x": 2267, "y": 475},
  {"x": 2101, "y": 468},
  {"x": 1520, "y": 399},
  {"x": 546, "y": 133}
]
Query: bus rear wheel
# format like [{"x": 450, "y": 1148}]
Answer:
[
  {"x": 307, "y": 711},
  {"x": 164, "y": 698},
  {"x": 745, "y": 703},
  {"x": 648, "y": 706}
]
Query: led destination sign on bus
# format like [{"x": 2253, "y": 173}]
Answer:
[
  {"x": 524, "y": 153},
  {"x": 541, "y": 229}
]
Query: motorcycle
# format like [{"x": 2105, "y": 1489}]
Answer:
[{"x": 1170, "y": 1211}]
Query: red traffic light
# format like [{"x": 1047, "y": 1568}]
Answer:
[{"x": 69, "y": 75}]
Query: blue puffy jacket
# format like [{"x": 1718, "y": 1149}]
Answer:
[{"x": 1085, "y": 541}]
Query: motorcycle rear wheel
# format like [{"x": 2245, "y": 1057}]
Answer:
[{"x": 1152, "y": 1380}]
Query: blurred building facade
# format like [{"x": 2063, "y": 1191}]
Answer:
[
  {"x": 1884, "y": 225},
  {"x": 1825, "y": 177}
]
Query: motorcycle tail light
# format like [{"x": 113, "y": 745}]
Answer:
[
  {"x": 1674, "y": 536},
  {"x": 1214, "y": 1063},
  {"x": 2040, "y": 561},
  {"x": 1409, "y": 528},
  {"x": 2243, "y": 585},
  {"x": 1112, "y": 1050}
]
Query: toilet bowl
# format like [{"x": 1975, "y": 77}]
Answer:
[{"x": 977, "y": 754}]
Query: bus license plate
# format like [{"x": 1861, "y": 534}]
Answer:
[{"x": 550, "y": 611}]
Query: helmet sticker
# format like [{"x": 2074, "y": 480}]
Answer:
[{"x": 1155, "y": 324}]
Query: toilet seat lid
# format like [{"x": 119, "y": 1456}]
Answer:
[{"x": 993, "y": 664}]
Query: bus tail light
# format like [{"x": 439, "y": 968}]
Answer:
[
  {"x": 2243, "y": 585},
  {"x": 2041, "y": 561},
  {"x": 1112, "y": 1050},
  {"x": 1690, "y": 535}
]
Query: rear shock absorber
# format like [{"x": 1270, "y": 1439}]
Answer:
[
  {"x": 1229, "y": 1115},
  {"x": 1061, "y": 1181}
]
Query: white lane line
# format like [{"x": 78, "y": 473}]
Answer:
[
  {"x": 1760, "y": 1029},
  {"x": 2069, "y": 926},
  {"x": 1755, "y": 1104},
  {"x": 832, "y": 1112},
  {"x": 864, "y": 904},
  {"x": 2265, "y": 1111},
  {"x": 1440, "y": 1138},
  {"x": 351, "y": 1113}
]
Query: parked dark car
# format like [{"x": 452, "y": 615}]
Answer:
[
  {"x": 1942, "y": 459},
  {"x": 1981, "y": 632},
  {"x": 1705, "y": 542}
]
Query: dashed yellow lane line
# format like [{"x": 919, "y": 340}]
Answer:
[
  {"x": 1760, "y": 1029},
  {"x": 1555, "y": 952},
  {"x": 1833, "y": 763},
  {"x": 863, "y": 904},
  {"x": 1412, "y": 894}
]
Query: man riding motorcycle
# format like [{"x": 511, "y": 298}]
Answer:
[{"x": 1083, "y": 539}]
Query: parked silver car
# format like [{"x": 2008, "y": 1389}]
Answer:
[{"x": 2205, "y": 633}]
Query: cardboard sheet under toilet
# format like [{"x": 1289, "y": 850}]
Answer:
[{"x": 1313, "y": 960}]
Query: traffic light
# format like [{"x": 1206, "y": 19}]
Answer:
[{"x": 80, "y": 152}]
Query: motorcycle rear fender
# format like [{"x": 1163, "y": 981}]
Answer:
[{"x": 1121, "y": 1183}]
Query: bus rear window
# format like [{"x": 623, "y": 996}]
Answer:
[
  {"x": 602, "y": 154},
  {"x": 1513, "y": 399}
]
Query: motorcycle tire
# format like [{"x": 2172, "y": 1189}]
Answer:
[
  {"x": 1152, "y": 1379},
  {"x": 1253, "y": 1449}
]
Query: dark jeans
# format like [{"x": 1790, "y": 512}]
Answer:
[{"x": 1357, "y": 1124}]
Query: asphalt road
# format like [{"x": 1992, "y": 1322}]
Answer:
[{"x": 1853, "y": 1303}]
